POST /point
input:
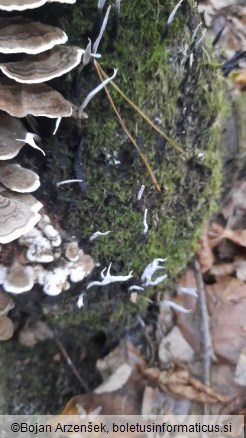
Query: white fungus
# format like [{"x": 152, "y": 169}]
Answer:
[{"x": 108, "y": 278}]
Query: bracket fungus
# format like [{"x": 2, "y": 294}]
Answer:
[
  {"x": 44, "y": 66},
  {"x": 16, "y": 219},
  {"x": 22, "y": 5},
  {"x": 6, "y": 328},
  {"x": 11, "y": 131},
  {"x": 22, "y": 35},
  {"x": 30, "y": 200},
  {"x": 6, "y": 304},
  {"x": 19, "y": 100},
  {"x": 18, "y": 179}
]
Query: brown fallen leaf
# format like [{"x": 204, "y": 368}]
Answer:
[
  {"x": 181, "y": 383},
  {"x": 240, "y": 267},
  {"x": 226, "y": 301},
  {"x": 217, "y": 233},
  {"x": 233, "y": 202},
  {"x": 241, "y": 79},
  {"x": 222, "y": 269},
  {"x": 189, "y": 323},
  {"x": 125, "y": 352},
  {"x": 122, "y": 390}
]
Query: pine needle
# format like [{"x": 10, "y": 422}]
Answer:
[
  {"x": 135, "y": 107},
  {"x": 122, "y": 123}
]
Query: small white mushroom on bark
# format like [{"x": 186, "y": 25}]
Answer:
[
  {"x": 72, "y": 251},
  {"x": 40, "y": 251},
  {"x": 55, "y": 281},
  {"x": 80, "y": 268},
  {"x": 39, "y": 247},
  {"x": 19, "y": 279}
]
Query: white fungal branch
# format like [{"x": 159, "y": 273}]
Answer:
[
  {"x": 98, "y": 234},
  {"x": 104, "y": 24},
  {"x": 187, "y": 290},
  {"x": 95, "y": 91},
  {"x": 58, "y": 121},
  {"x": 135, "y": 287},
  {"x": 87, "y": 55},
  {"x": 195, "y": 32},
  {"x": 117, "y": 6},
  {"x": 101, "y": 4},
  {"x": 175, "y": 306},
  {"x": 68, "y": 181},
  {"x": 108, "y": 278},
  {"x": 156, "y": 281},
  {"x": 150, "y": 270},
  {"x": 200, "y": 39},
  {"x": 30, "y": 139},
  {"x": 80, "y": 301},
  {"x": 173, "y": 13},
  {"x": 140, "y": 193},
  {"x": 146, "y": 227}
]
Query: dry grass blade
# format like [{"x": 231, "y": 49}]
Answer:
[
  {"x": 135, "y": 107},
  {"x": 127, "y": 131}
]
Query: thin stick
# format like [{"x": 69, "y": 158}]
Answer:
[
  {"x": 121, "y": 121},
  {"x": 208, "y": 354},
  {"x": 71, "y": 365},
  {"x": 135, "y": 107}
]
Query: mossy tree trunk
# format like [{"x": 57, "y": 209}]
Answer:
[{"x": 183, "y": 101}]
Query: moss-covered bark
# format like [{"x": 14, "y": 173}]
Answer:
[{"x": 184, "y": 102}]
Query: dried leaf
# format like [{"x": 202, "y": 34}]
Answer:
[
  {"x": 179, "y": 382},
  {"x": 240, "y": 373},
  {"x": 217, "y": 233},
  {"x": 124, "y": 352},
  {"x": 222, "y": 269},
  {"x": 227, "y": 307},
  {"x": 241, "y": 78}
]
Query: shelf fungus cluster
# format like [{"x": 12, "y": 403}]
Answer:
[
  {"x": 6, "y": 324},
  {"x": 40, "y": 247},
  {"x": 23, "y": 92},
  {"x": 32, "y": 53}
]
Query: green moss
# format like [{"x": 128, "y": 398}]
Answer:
[{"x": 152, "y": 73}]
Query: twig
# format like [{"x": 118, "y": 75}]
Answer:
[
  {"x": 71, "y": 365},
  {"x": 121, "y": 121},
  {"x": 135, "y": 107},
  {"x": 208, "y": 354}
]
